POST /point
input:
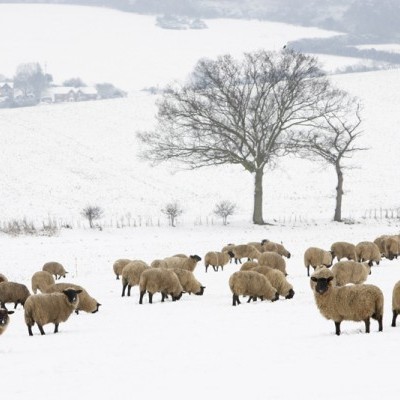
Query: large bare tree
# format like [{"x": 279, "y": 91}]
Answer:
[
  {"x": 244, "y": 112},
  {"x": 333, "y": 141}
]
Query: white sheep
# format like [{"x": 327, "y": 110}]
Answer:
[
  {"x": 162, "y": 280},
  {"x": 50, "y": 308},
  {"x": 252, "y": 284},
  {"x": 344, "y": 250},
  {"x": 314, "y": 256},
  {"x": 13, "y": 292},
  {"x": 273, "y": 260},
  {"x": 217, "y": 259},
  {"x": 188, "y": 281},
  {"x": 184, "y": 263},
  {"x": 248, "y": 265},
  {"x": 350, "y": 272},
  {"x": 40, "y": 280},
  {"x": 244, "y": 250},
  {"x": 131, "y": 275},
  {"x": 395, "y": 302},
  {"x": 277, "y": 279},
  {"x": 368, "y": 251},
  {"x": 119, "y": 265},
  {"x": 55, "y": 268},
  {"x": 347, "y": 303}
]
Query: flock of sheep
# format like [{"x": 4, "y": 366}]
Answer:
[{"x": 262, "y": 276}]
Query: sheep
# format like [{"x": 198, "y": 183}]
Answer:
[
  {"x": 379, "y": 242},
  {"x": 160, "y": 280},
  {"x": 131, "y": 275},
  {"x": 227, "y": 248},
  {"x": 4, "y": 319},
  {"x": 273, "y": 260},
  {"x": 257, "y": 245},
  {"x": 13, "y": 292},
  {"x": 395, "y": 302},
  {"x": 3, "y": 278},
  {"x": 119, "y": 265},
  {"x": 277, "y": 280},
  {"x": 347, "y": 303},
  {"x": 188, "y": 281},
  {"x": 40, "y": 280},
  {"x": 343, "y": 250},
  {"x": 391, "y": 246},
  {"x": 86, "y": 302},
  {"x": 315, "y": 256},
  {"x": 245, "y": 250},
  {"x": 281, "y": 250},
  {"x": 184, "y": 263},
  {"x": 248, "y": 265},
  {"x": 368, "y": 251},
  {"x": 350, "y": 272},
  {"x": 180, "y": 255},
  {"x": 267, "y": 245},
  {"x": 55, "y": 268},
  {"x": 252, "y": 284},
  {"x": 217, "y": 259},
  {"x": 158, "y": 264},
  {"x": 50, "y": 308}
]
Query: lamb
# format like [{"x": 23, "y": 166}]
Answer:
[
  {"x": 395, "y": 302},
  {"x": 86, "y": 302},
  {"x": 119, "y": 265},
  {"x": 343, "y": 250},
  {"x": 277, "y": 280},
  {"x": 248, "y": 265},
  {"x": 40, "y": 280},
  {"x": 184, "y": 263},
  {"x": 131, "y": 275},
  {"x": 50, "y": 308},
  {"x": 368, "y": 251},
  {"x": 4, "y": 319},
  {"x": 217, "y": 259},
  {"x": 13, "y": 292},
  {"x": 347, "y": 303},
  {"x": 315, "y": 256},
  {"x": 273, "y": 260},
  {"x": 188, "y": 281},
  {"x": 245, "y": 250},
  {"x": 160, "y": 280},
  {"x": 3, "y": 278},
  {"x": 350, "y": 272},
  {"x": 252, "y": 284},
  {"x": 55, "y": 268}
]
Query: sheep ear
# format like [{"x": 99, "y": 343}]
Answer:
[
  {"x": 203, "y": 287},
  {"x": 10, "y": 312},
  {"x": 78, "y": 291},
  {"x": 314, "y": 279},
  {"x": 329, "y": 279}
]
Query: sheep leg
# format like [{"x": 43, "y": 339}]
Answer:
[
  {"x": 308, "y": 270},
  {"x": 117, "y": 276},
  {"x": 30, "y": 330},
  {"x": 395, "y": 313},
  {"x": 124, "y": 285},
  {"x": 56, "y": 328},
  {"x": 129, "y": 290},
  {"x": 337, "y": 326},
  {"x": 41, "y": 329},
  {"x": 206, "y": 268},
  {"x": 380, "y": 322},
  {"x": 235, "y": 300},
  {"x": 222, "y": 267},
  {"x": 150, "y": 298},
  {"x": 215, "y": 268},
  {"x": 142, "y": 293},
  {"x": 367, "y": 324},
  {"x": 15, "y": 305},
  {"x": 250, "y": 298}
]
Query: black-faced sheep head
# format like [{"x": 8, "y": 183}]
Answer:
[
  {"x": 230, "y": 254},
  {"x": 4, "y": 316},
  {"x": 175, "y": 298},
  {"x": 264, "y": 241},
  {"x": 201, "y": 291},
  {"x": 290, "y": 294},
  {"x": 196, "y": 257},
  {"x": 322, "y": 283},
  {"x": 72, "y": 294},
  {"x": 97, "y": 308}
]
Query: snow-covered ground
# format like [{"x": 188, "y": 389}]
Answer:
[
  {"x": 390, "y": 47},
  {"x": 57, "y": 159}
]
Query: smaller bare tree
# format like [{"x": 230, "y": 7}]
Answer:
[
  {"x": 224, "y": 209},
  {"x": 172, "y": 211},
  {"x": 92, "y": 213}
]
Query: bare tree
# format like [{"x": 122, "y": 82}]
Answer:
[
  {"x": 333, "y": 141},
  {"x": 240, "y": 112},
  {"x": 92, "y": 213},
  {"x": 31, "y": 80},
  {"x": 172, "y": 211},
  {"x": 224, "y": 209},
  {"x": 74, "y": 82}
]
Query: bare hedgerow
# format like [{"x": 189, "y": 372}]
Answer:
[
  {"x": 92, "y": 213},
  {"x": 172, "y": 210},
  {"x": 224, "y": 209},
  {"x": 24, "y": 227}
]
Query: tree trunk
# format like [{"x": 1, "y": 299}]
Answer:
[
  {"x": 339, "y": 194},
  {"x": 258, "y": 198}
]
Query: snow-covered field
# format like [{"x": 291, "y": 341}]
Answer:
[{"x": 57, "y": 159}]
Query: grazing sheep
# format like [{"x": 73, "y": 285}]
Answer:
[
  {"x": 267, "y": 245},
  {"x": 379, "y": 241},
  {"x": 368, "y": 251},
  {"x": 257, "y": 245},
  {"x": 86, "y": 302},
  {"x": 347, "y": 303},
  {"x": 184, "y": 263},
  {"x": 273, "y": 260},
  {"x": 3, "y": 278},
  {"x": 277, "y": 280},
  {"x": 131, "y": 275},
  {"x": 188, "y": 281},
  {"x": 40, "y": 280},
  {"x": 244, "y": 250},
  {"x": 252, "y": 284},
  {"x": 158, "y": 264},
  {"x": 160, "y": 280},
  {"x": 248, "y": 265},
  {"x": 4, "y": 319},
  {"x": 13, "y": 292},
  {"x": 50, "y": 308},
  {"x": 217, "y": 259},
  {"x": 119, "y": 265},
  {"x": 395, "y": 302},
  {"x": 282, "y": 250},
  {"x": 343, "y": 250},
  {"x": 227, "y": 248},
  {"x": 315, "y": 256},
  {"x": 350, "y": 272},
  {"x": 55, "y": 268},
  {"x": 391, "y": 246}
]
